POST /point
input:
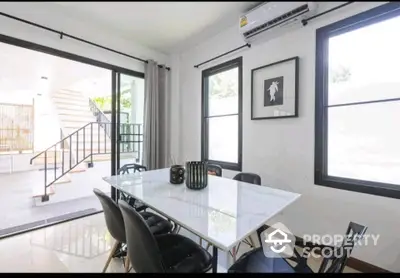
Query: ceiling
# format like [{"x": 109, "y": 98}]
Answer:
[
  {"x": 162, "y": 26},
  {"x": 21, "y": 71}
]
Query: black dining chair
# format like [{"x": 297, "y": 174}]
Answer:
[
  {"x": 115, "y": 225},
  {"x": 129, "y": 169},
  {"x": 138, "y": 205},
  {"x": 255, "y": 261},
  {"x": 149, "y": 253},
  {"x": 214, "y": 169},
  {"x": 248, "y": 177}
]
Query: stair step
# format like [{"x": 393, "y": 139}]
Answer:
[
  {"x": 71, "y": 130},
  {"x": 69, "y": 92},
  {"x": 96, "y": 146},
  {"x": 50, "y": 162},
  {"x": 64, "y": 179},
  {"x": 52, "y": 154},
  {"x": 79, "y": 123},
  {"x": 72, "y": 108},
  {"x": 68, "y": 96},
  {"x": 106, "y": 157},
  {"x": 96, "y": 143},
  {"x": 70, "y": 127},
  {"x": 86, "y": 144},
  {"x": 38, "y": 191},
  {"x": 75, "y": 106},
  {"x": 72, "y": 102},
  {"x": 76, "y": 118},
  {"x": 63, "y": 112},
  {"x": 78, "y": 169}
]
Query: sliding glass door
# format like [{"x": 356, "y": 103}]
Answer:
[{"x": 127, "y": 120}]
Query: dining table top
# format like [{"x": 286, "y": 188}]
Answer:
[{"x": 224, "y": 213}]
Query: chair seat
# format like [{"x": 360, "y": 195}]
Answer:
[
  {"x": 157, "y": 224},
  {"x": 255, "y": 261},
  {"x": 139, "y": 206},
  {"x": 183, "y": 255}
]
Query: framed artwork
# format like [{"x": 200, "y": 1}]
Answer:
[{"x": 274, "y": 90}]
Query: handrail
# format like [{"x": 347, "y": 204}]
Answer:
[
  {"x": 54, "y": 145},
  {"x": 100, "y": 116},
  {"x": 94, "y": 106},
  {"x": 131, "y": 139}
]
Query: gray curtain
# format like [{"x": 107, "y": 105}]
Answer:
[{"x": 156, "y": 122}]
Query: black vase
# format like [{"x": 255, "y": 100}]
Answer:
[
  {"x": 196, "y": 175},
  {"x": 176, "y": 174}
]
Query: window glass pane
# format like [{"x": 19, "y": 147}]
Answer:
[
  {"x": 223, "y": 139},
  {"x": 223, "y": 93},
  {"x": 363, "y": 64},
  {"x": 364, "y": 142}
]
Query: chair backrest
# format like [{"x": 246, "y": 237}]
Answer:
[
  {"x": 113, "y": 216},
  {"x": 132, "y": 166},
  {"x": 126, "y": 170},
  {"x": 143, "y": 250},
  {"x": 338, "y": 260},
  {"x": 214, "y": 169},
  {"x": 248, "y": 177}
]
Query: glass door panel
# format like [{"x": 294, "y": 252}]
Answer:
[{"x": 127, "y": 114}]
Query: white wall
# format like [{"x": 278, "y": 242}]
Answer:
[
  {"x": 55, "y": 17},
  {"x": 288, "y": 160},
  {"x": 27, "y": 98}
]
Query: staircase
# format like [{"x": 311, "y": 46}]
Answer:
[
  {"x": 85, "y": 138},
  {"x": 74, "y": 111}
]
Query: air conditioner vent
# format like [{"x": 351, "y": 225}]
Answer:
[{"x": 280, "y": 19}]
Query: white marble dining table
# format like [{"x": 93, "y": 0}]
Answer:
[{"x": 224, "y": 213}]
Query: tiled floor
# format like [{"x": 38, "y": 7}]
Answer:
[{"x": 81, "y": 245}]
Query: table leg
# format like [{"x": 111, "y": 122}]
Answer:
[
  {"x": 215, "y": 260},
  {"x": 229, "y": 257},
  {"x": 234, "y": 251}
]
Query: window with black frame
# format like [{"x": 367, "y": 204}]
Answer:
[
  {"x": 222, "y": 115},
  {"x": 357, "y": 124}
]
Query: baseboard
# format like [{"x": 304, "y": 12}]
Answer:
[{"x": 364, "y": 267}]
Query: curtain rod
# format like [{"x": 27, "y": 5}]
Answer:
[
  {"x": 305, "y": 21},
  {"x": 62, "y": 34},
  {"x": 223, "y": 54}
]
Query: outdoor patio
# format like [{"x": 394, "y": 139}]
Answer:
[{"x": 71, "y": 199}]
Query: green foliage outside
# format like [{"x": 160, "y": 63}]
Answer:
[
  {"x": 104, "y": 102},
  {"x": 223, "y": 85}
]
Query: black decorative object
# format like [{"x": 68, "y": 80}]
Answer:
[
  {"x": 274, "y": 90},
  {"x": 176, "y": 174},
  {"x": 196, "y": 175}
]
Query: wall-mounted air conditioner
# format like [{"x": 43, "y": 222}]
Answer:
[{"x": 270, "y": 16}]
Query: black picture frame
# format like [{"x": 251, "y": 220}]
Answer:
[{"x": 296, "y": 89}]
